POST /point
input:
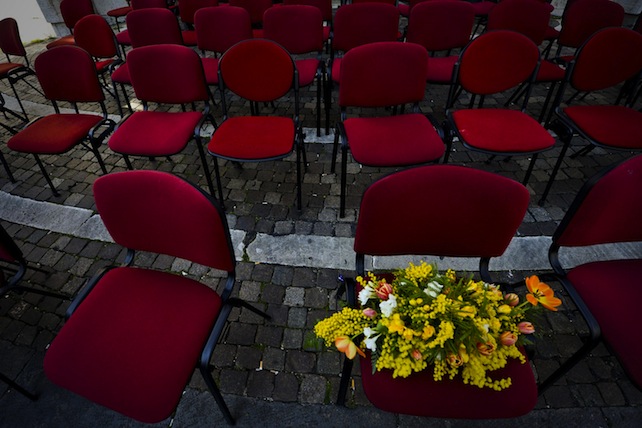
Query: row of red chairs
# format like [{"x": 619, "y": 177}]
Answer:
[{"x": 166, "y": 323}]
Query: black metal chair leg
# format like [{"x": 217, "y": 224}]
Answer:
[
  {"x": 13, "y": 385},
  {"x": 551, "y": 179},
  {"x": 44, "y": 172},
  {"x": 529, "y": 171},
  {"x": 5, "y": 164},
  {"x": 344, "y": 167},
  {"x": 218, "y": 183},
  {"x": 335, "y": 149},
  {"x": 345, "y": 380}
]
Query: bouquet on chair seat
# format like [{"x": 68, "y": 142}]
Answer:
[{"x": 422, "y": 318}]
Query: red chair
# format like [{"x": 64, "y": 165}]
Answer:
[
  {"x": 582, "y": 19},
  {"x": 492, "y": 63},
  {"x": 379, "y": 75},
  {"x": 120, "y": 12},
  {"x": 259, "y": 71},
  {"x": 531, "y": 18},
  {"x": 325, "y": 6},
  {"x": 256, "y": 9},
  {"x": 11, "y": 45},
  {"x": 133, "y": 336},
  {"x": 95, "y": 35},
  {"x": 606, "y": 292},
  {"x": 147, "y": 26},
  {"x": 66, "y": 73},
  {"x": 217, "y": 30},
  {"x": 165, "y": 75},
  {"x": 389, "y": 232},
  {"x": 72, "y": 11},
  {"x": 356, "y": 25},
  {"x": 188, "y": 8},
  {"x": 299, "y": 29},
  {"x": 441, "y": 26},
  {"x": 608, "y": 58}
]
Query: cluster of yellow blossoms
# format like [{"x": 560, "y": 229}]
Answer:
[{"x": 457, "y": 326}]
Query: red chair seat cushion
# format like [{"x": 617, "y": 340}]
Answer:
[
  {"x": 210, "y": 67},
  {"x": 551, "y": 33},
  {"x": 6, "y": 67},
  {"x": 550, "y": 72},
  {"x": 123, "y": 38},
  {"x": 307, "y": 69},
  {"x": 612, "y": 292},
  {"x": 133, "y": 344},
  {"x": 440, "y": 69},
  {"x": 121, "y": 74},
  {"x": 615, "y": 126},
  {"x": 189, "y": 37},
  {"x": 63, "y": 41},
  {"x": 404, "y": 9},
  {"x": 336, "y": 70},
  {"x": 118, "y": 12},
  {"x": 405, "y": 139},
  {"x": 501, "y": 131},
  {"x": 420, "y": 395},
  {"x": 56, "y": 133},
  {"x": 154, "y": 133},
  {"x": 253, "y": 138},
  {"x": 326, "y": 33}
]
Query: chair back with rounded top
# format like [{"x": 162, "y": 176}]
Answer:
[
  {"x": 188, "y": 8},
  {"x": 499, "y": 204},
  {"x": 528, "y": 17},
  {"x": 611, "y": 56},
  {"x": 256, "y": 8},
  {"x": 153, "y": 26},
  {"x": 10, "y": 42},
  {"x": 94, "y": 34},
  {"x": 497, "y": 61},
  {"x": 257, "y": 70},
  {"x": 585, "y": 17},
  {"x": 155, "y": 211},
  {"x": 148, "y": 4},
  {"x": 68, "y": 73},
  {"x": 358, "y": 24},
  {"x": 397, "y": 70},
  {"x": 441, "y": 25},
  {"x": 220, "y": 28},
  {"x": 325, "y": 6},
  {"x": 167, "y": 74},
  {"x": 297, "y": 28},
  {"x": 73, "y": 10}
]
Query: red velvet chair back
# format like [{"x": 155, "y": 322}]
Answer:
[
  {"x": 170, "y": 74},
  {"x": 220, "y": 28},
  {"x": 605, "y": 210},
  {"x": 610, "y": 56},
  {"x": 147, "y": 4},
  {"x": 68, "y": 73},
  {"x": 153, "y": 26},
  {"x": 585, "y": 17},
  {"x": 187, "y": 8},
  {"x": 297, "y": 28},
  {"x": 73, "y": 10},
  {"x": 391, "y": 2},
  {"x": 441, "y": 210},
  {"x": 159, "y": 212},
  {"x": 528, "y": 17},
  {"x": 325, "y": 6},
  {"x": 441, "y": 25},
  {"x": 256, "y": 8},
  {"x": 497, "y": 61},
  {"x": 10, "y": 42},
  {"x": 383, "y": 74},
  {"x": 257, "y": 70},
  {"x": 95, "y": 35},
  {"x": 358, "y": 24}
]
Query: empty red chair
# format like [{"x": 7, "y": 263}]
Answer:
[
  {"x": 325, "y": 6},
  {"x": 72, "y": 11},
  {"x": 66, "y": 73},
  {"x": 606, "y": 210},
  {"x": 120, "y": 12},
  {"x": 134, "y": 335}
]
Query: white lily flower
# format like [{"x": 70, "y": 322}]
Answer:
[
  {"x": 388, "y": 306},
  {"x": 371, "y": 342},
  {"x": 366, "y": 294}
]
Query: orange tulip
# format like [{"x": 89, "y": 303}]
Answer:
[
  {"x": 511, "y": 299},
  {"x": 507, "y": 338},
  {"x": 541, "y": 293},
  {"x": 526, "y": 327},
  {"x": 486, "y": 348},
  {"x": 347, "y": 346}
]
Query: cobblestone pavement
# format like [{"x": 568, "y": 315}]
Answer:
[{"x": 274, "y": 372}]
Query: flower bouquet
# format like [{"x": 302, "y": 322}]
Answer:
[{"x": 423, "y": 318}]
